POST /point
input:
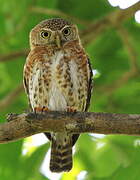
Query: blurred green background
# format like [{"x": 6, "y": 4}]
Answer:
[{"x": 113, "y": 45}]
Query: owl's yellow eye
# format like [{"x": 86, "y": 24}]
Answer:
[
  {"x": 66, "y": 31},
  {"x": 45, "y": 34}
]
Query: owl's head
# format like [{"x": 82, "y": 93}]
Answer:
[{"x": 55, "y": 32}]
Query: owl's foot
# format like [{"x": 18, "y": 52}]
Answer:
[
  {"x": 71, "y": 109},
  {"x": 41, "y": 109},
  {"x": 38, "y": 109},
  {"x": 45, "y": 109}
]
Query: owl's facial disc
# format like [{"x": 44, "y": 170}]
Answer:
[
  {"x": 54, "y": 32},
  {"x": 58, "y": 37}
]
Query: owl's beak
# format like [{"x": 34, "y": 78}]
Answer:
[{"x": 58, "y": 40}]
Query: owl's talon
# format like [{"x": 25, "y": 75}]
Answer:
[
  {"x": 38, "y": 109},
  {"x": 71, "y": 109},
  {"x": 41, "y": 109},
  {"x": 45, "y": 109}
]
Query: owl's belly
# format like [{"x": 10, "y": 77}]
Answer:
[{"x": 56, "y": 100}]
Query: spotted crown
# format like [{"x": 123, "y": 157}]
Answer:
[{"x": 54, "y": 24}]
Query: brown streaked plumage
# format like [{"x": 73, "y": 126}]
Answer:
[{"x": 58, "y": 77}]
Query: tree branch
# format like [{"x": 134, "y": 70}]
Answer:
[
  {"x": 128, "y": 44},
  {"x": 9, "y": 98},
  {"x": 116, "y": 17},
  {"x": 14, "y": 55},
  {"x": 55, "y": 12},
  {"x": 127, "y": 41},
  {"x": 123, "y": 79},
  {"x": 24, "y": 125}
]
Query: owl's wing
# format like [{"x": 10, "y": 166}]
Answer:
[
  {"x": 26, "y": 83},
  {"x": 90, "y": 84}
]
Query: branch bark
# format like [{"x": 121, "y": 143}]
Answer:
[{"x": 24, "y": 125}]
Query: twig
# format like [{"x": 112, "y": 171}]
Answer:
[
  {"x": 121, "y": 81},
  {"x": 24, "y": 125},
  {"x": 128, "y": 45},
  {"x": 117, "y": 17},
  {"x": 6, "y": 101},
  {"x": 14, "y": 55},
  {"x": 58, "y": 13},
  {"x": 132, "y": 54}
]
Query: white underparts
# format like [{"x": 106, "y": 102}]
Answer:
[{"x": 57, "y": 100}]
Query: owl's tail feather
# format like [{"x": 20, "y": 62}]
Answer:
[{"x": 61, "y": 156}]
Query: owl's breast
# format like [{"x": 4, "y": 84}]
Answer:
[{"x": 57, "y": 83}]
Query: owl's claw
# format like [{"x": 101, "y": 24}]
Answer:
[
  {"x": 71, "y": 109},
  {"x": 41, "y": 109},
  {"x": 45, "y": 109},
  {"x": 38, "y": 109}
]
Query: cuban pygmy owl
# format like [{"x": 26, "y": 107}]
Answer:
[{"x": 58, "y": 77}]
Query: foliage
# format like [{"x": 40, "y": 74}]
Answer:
[{"x": 111, "y": 157}]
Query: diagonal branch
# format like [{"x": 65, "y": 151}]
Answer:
[
  {"x": 127, "y": 41},
  {"x": 9, "y": 98},
  {"x": 24, "y": 125},
  {"x": 123, "y": 79},
  {"x": 117, "y": 17}
]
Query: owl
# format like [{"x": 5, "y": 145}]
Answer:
[{"x": 58, "y": 77}]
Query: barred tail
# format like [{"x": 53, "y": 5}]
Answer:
[{"x": 61, "y": 153}]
